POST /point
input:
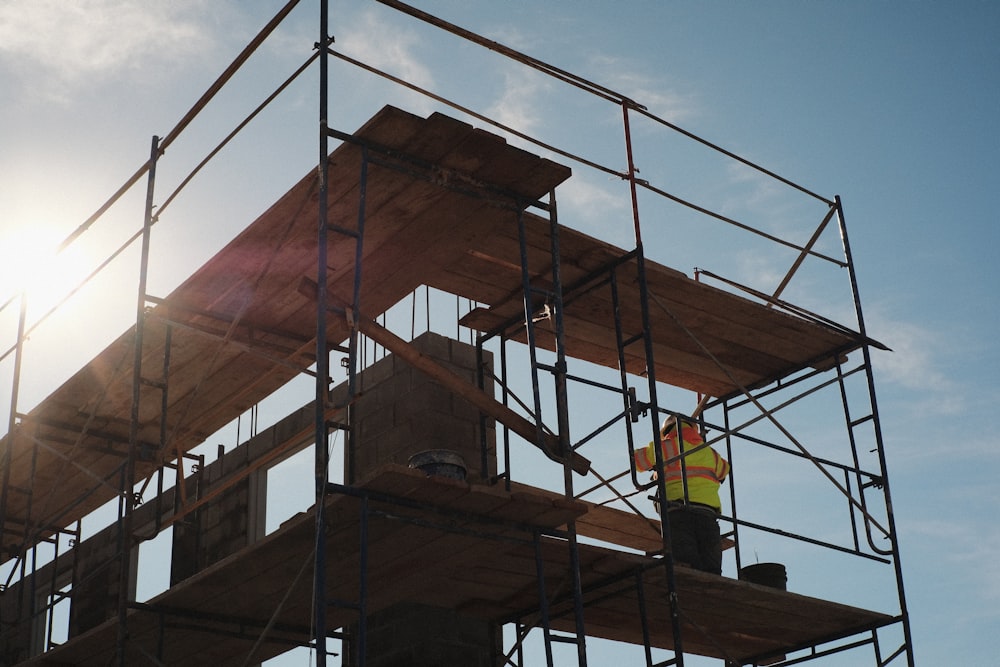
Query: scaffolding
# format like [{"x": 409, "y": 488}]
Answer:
[{"x": 562, "y": 325}]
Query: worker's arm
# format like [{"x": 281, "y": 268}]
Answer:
[{"x": 645, "y": 458}]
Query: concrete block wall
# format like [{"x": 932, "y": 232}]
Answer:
[
  {"x": 201, "y": 539},
  {"x": 15, "y": 636},
  {"x": 95, "y": 589},
  {"x": 222, "y": 527},
  {"x": 401, "y": 411},
  {"x": 92, "y": 569},
  {"x": 235, "y": 518},
  {"x": 211, "y": 533}
]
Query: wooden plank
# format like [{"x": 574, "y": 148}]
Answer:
[
  {"x": 251, "y": 286},
  {"x": 418, "y": 232},
  {"x": 676, "y": 288},
  {"x": 755, "y": 343},
  {"x": 622, "y": 528},
  {"x": 471, "y": 393},
  {"x": 593, "y": 342},
  {"x": 493, "y": 580}
]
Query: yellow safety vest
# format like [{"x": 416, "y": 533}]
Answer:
[{"x": 705, "y": 468}]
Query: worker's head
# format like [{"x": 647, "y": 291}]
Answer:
[{"x": 670, "y": 423}]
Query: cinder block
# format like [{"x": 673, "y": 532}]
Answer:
[
  {"x": 370, "y": 426},
  {"x": 434, "y": 345},
  {"x": 461, "y": 354},
  {"x": 463, "y": 409},
  {"x": 377, "y": 373},
  {"x": 395, "y": 440},
  {"x": 366, "y": 459},
  {"x": 442, "y": 425},
  {"x": 390, "y": 392},
  {"x": 432, "y": 398}
]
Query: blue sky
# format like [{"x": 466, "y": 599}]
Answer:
[{"x": 892, "y": 106}]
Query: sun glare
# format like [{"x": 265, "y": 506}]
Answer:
[{"x": 30, "y": 262}]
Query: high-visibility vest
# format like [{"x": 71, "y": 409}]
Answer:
[{"x": 705, "y": 469}]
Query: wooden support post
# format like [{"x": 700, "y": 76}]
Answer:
[
  {"x": 468, "y": 391},
  {"x": 453, "y": 382}
]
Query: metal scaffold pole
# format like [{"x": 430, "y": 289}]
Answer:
[
  {"x": 563, "y": 421},
  {"x": 322, "y": 353},
  {"x": 11, "y": 421},
  {"x": 879, "y": 444},
  {"x": 668, "y": 561},
  {"x": 127, "y": 499}
]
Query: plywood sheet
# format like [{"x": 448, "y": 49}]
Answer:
[
  {"x": 240, "y": 327},
  {"x": 428, "y": 545},
  {"x": 705, "y": 339}
]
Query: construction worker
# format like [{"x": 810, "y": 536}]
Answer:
[{"x": 694, "y": 526}]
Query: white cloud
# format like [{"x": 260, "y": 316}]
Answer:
[
  {"x": 756, "y": 190},
  {"x": 516, "y": 105},
  {"x": 968, "y": 551},
  {"x": 653, "y": 93},
  {"x": 594, "y": 208},
  {"x": 913, "y": 363},
  {"x": 394, "y": 51},
  {"x": 55, "y": 45}
]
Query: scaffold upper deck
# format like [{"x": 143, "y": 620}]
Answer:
[{"x": 441, "y": 203}]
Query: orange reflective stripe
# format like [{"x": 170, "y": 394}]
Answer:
[
  {"x": 645, "y": 458},
  {"x": 692, "y": 471},
  {"x": 642, "y": 458}
]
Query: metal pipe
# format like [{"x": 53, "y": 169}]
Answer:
[
  {"x": 631, "y": 178},
  {"x": 732, "y": 484},
  {"x": 583, "y": 84},
  {"x": 623, "y": 377},
  {"x": 474, "y": 114},
  {"x": 184, "y": 122},
  {"x": 562, "y": 420},
  {"x": 8, "y": 455},
  {"x": 362, "y": 638},
  {"x": 76, "y": 289},
  {"x": 529, "y": 325},
  {"x": 661, "y": 482},
  {"x": 127, "y": 499},
  {"x": 543, "y": 600},
  {"x": 356, "y": 294},
  {"x": 640, "y": 593},
  {"x": 224, "y": 78},
  {"x": 801, "y": 257},
  {"x": 505, "y": 401},
  {"x": 322, "y": 353},
  {"x": 229, "y": 137},
  {"x": 522, "y": 58},
  {"x": 879, "y": 444},
  {"x": 484, "y": 458}
]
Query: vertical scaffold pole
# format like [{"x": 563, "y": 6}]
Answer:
[
  {"x": 879, "y": 445},
  {"x": 562, "y": 417},
  {"x": 127, "y": 500},
  {"x": 640, "y": 262},
  {"x": 11, "y": 419},
  {"x": 322, "y": 353}
]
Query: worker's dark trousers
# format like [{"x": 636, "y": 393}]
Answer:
[{"x": 695, "y": 539}]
